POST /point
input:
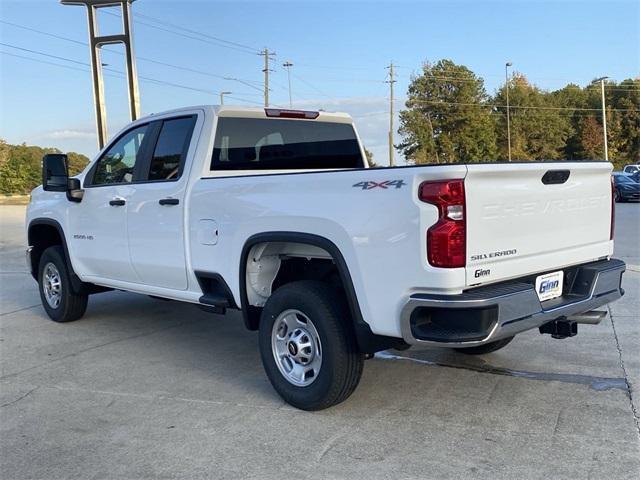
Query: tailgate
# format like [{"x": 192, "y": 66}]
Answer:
[{"x": 518, "y": 223}]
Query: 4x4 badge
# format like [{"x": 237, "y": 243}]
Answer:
[{"x": 385, "y": 184}]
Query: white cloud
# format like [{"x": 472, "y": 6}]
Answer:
[{"x": 69, "y": 134}]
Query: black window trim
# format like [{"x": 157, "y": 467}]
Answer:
[
  {"x": 142, "y": 153},
  {"x": 153, "y": 142}
]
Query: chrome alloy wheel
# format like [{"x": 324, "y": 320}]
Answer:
[
  {"x": 52, "y": 285},
  {"x": 296, "y": 348}
]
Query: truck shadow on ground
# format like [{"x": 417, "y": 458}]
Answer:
[{"x": 168, "y": 348}]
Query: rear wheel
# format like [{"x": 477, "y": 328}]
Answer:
[
  {"x": 58, "y": 299},
  {"x": 308, "y": 347},
  {"x": 486, "y": 348}
]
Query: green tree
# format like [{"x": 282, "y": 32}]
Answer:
[
  {"x": 573, "y": 97},
  {"x": 539, "y": 129},
  {"x": 21, "y": 166},
  {"x": 623, "y": 121},
  {"x": 370, "y": 160},
  {"x": 447, "y": 119},
  {"x": 591, "y": 139}
]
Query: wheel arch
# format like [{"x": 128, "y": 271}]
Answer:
[
  {"x": 43, "y": 233},
  {"x": 368, "y": 342}
]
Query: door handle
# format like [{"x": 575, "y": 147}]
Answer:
[
  {"x": 117, "y": 202},
  {"x": 169, "y": 201}
]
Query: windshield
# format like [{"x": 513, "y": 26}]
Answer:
[
  {"x": 276, "y": 144},
  {"x": 623, "y": 179}
]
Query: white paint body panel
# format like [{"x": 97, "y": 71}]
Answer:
[
  {"x": 381, "y": 233},
  {"x": 510, "y": 209}
]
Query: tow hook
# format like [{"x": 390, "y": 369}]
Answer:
[{"x": 565, "y": 327}]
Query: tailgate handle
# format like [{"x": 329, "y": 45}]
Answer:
[{"x": 555, "y": 177}]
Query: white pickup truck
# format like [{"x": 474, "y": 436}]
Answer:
[{"x": 276, "y": 213}]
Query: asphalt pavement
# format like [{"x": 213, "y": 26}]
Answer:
[{"x": 142, "y": 388}]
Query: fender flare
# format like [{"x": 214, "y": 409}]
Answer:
[
  {"x": 76, "y": 284},
  {"x": 368, "y": 342}
]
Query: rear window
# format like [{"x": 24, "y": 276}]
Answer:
[{"x": 276, "y": 144}]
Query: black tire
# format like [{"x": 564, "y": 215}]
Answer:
[
  {"x": 616, "y": 196},
  {"x": 486, "y": 348},
  {"x": 70, "y": 306},
  {"x": 342, "y": 363}
]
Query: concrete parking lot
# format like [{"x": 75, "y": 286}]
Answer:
[{"x": 142, "y": 388}]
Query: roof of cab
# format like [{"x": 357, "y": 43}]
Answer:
[{"x": 252, "y": 112}]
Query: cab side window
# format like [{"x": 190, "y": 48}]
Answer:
[
  {"x": 171, "y": 148},
  {"x": 117, "y": 164}
]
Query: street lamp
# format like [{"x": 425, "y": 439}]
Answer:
[
  {"x": 222, "y": 94},
  {"x": 604, "y": 116},
  {"x": 506, "y": 87},
  {"x": 288, "y": 66}
]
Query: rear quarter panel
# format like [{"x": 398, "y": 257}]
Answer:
[{"x": 379, "y": 231}]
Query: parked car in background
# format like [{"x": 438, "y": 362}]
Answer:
[
  {"x": 631, "y": 169},
  {"x": 626, "y": 187}
]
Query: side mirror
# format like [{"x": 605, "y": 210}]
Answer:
[
  {"x": 54, "y": 172},
  {"x": 55, "y": 177}
]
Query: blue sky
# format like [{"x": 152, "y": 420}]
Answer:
[{"x": 339, "y": 51}]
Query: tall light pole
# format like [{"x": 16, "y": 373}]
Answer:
[
  {"x": 604, "y": 116},
  {"x": 96, "y": 42},
  {"x": 506, "y": 87},
  {"x": 222, "y": 94},
  {"x": 288, "y": 66}
]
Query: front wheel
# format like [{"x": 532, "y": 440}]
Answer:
[
  {"x": 308, "y": 347},
  {"x": 616, "y": 196},
  {"x": 486, "y": 348},
  {"x": 56, "y": 294}
]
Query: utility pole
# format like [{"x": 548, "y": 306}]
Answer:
[
  {"x": 604, "y": 116},
  {"x": 222, "y": 94},
  {"x": 433, "y": 137},
  {"x": 96, "y": 42},
  {"x": 266, "y": 71},
  {"x": 506, "y": 87},
  {"x": 288, "y": 66},
  {"x": 391, "y": 81}
]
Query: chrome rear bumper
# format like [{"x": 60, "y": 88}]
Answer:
[{"x": 486, "y": 314}]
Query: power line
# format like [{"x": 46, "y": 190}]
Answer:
[
  {"x": 311, "y": 86},
  {"x": 84, "y": 64},
  {"x": 144, "y": 59},
  {"x": 49, "y": 63},
  {"x": 471, "y": 104},
  {"x": 52, "y": 35},
  {"x": 202, "y": 37},
  {"x": 44, "y": 54},
  {"x": 162, "y": 22}
]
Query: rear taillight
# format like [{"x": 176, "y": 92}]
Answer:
[
  {"x": 447, "y": 239},
  {"x": 613, "y": 209}
]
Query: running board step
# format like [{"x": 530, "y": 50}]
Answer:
[{"x": 214, "y": 303}]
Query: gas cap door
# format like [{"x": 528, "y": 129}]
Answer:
[{"x": 207, "y": 232}]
